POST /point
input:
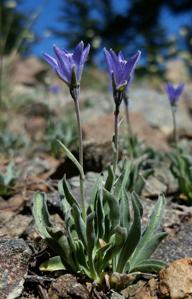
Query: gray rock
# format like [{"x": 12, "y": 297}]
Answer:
[
  {"x": 67, "y": 286},
  {"x": 176, "y": 247},
  {"x": 156, "y": 109},
  {"x": 14, "y": 257}
]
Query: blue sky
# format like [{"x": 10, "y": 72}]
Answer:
[{"x": 51, "y": 11}]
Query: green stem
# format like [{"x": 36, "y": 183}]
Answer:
[
  {"x": 175, "y": 137},
  {"x": 116, "y": 135},
  {"x": 77, "y": 110}
]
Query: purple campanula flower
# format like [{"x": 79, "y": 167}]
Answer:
[
  {"x": 121, "y": 70},
  {"x": 69, "y": 66},
  {"x": 174, "y": 92}
]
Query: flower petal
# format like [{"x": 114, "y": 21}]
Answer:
[
  {"x": 179, "y": 90},
  {"x": 85, "y": 54},
  {"x": 64, "y": 65},
  {"x": 130, "y": 66},
  {"x": 52, "y": 61},
  {"x": 80, "y": 65},
  {"x": 78, "y": 52},
  {"x": 109, "y": 60}
]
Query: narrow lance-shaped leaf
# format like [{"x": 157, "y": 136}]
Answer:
[
  {"x": 97, "y": 186},
  {"x": 68, "y": 195},
  {"x": 149, "y": 231},
  {"x": 107, "y": 228},
  {"x": 155, "y": 219},
  {"x": 71, "y": 240},
  {"x": 110, "y": 179},
  {"x": 147, "y": 250},
  {"x": 122, "y": 181},
  {"x": 80, "y": 251},
  {"x": 91, "y": 239},
  {"x": 79, "y": 224},
  {"x": 113, "y": 208},
  {"x": 132, "y": 238},
  {"x": 125, "y": 210},
  {"x": 116, "y": 245},
  {"x": 59, "y": 243},
  {"x": 52, "y": 264},
  {"x": 41, "y": 215},
  {"x": 149, "y": 265},
  {"x": 73, "y": 159},
  {"x": 136, "y": 198},
  {"x": 100, "y": 214}
]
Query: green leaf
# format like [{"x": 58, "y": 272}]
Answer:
[
  {"x": 147, "y": 250},
  {"x": 113, "y": 208},
  {"x": 149, "y": 265},
  {"x": 150, "y": 232},
  {"x": 52, "y": 264},
  {"x": 80, "y": 226},
  {"x": 125, "y": 210},
  {"x": 73, "y": 159},
  {"x": 97, "y": 186},
  {"x": 80, "y": 252},
  {"x": 41, "y": 215},
  {"x": 110, "y": 179},
  {"x": 90, "y": 234},
  {"x": 132, "y": 239},
  {"x": 123, "y": 179},
  {"x": 68, "y": 195},
  {"x": 60, "y": 244},
  {"x": 136, "y": 198},
  {"x": 155, "y": 218},
  {"x": 107, "y": 228},
  {"x": 118, "y": 239},
  {"x": 100, "y": 215},
  {"x": 71, "y": 241}
]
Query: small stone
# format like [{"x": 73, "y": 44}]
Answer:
[
  {"x": 142, "y": 290},
  {"x": 176, "y": 280},
  {"x": 16, "y": 226},
  {"x": 176, "y": 247},
  {"x": 14, "y": 257},
  {"x": 67, "y": 286},
  {"x": 115, "y": 295},
  {"x": 153, "y": 187},
  {"x": 149, "y": 291}
]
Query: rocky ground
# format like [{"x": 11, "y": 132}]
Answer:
[{"x": 21, "y": 248}]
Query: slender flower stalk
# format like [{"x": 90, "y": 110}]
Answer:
[
  {"x": 174, "y": 93},
  {"x": 121, "y": 72},
  {"x": 69, "y": 68},
  {"x": 118, "y": 98},
  {"x": 77, "y": 111},
  {"x": 175, "y": 137}
]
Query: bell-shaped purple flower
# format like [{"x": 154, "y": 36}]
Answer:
[
  {"x": 121, "y": 70},
  {"x": 69, "y": 66},
  {"x": 174, "y": 92}
]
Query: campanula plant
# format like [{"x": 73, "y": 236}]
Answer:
[
  {"x": 121, "y": 72},
  {"x": 105, "y": 235},
  {"x": 69, "y": 68},
  {"x": 181, "y": 168},
  {"x": 174, "y": 93},
  {"x": 110, "y": 239}
]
